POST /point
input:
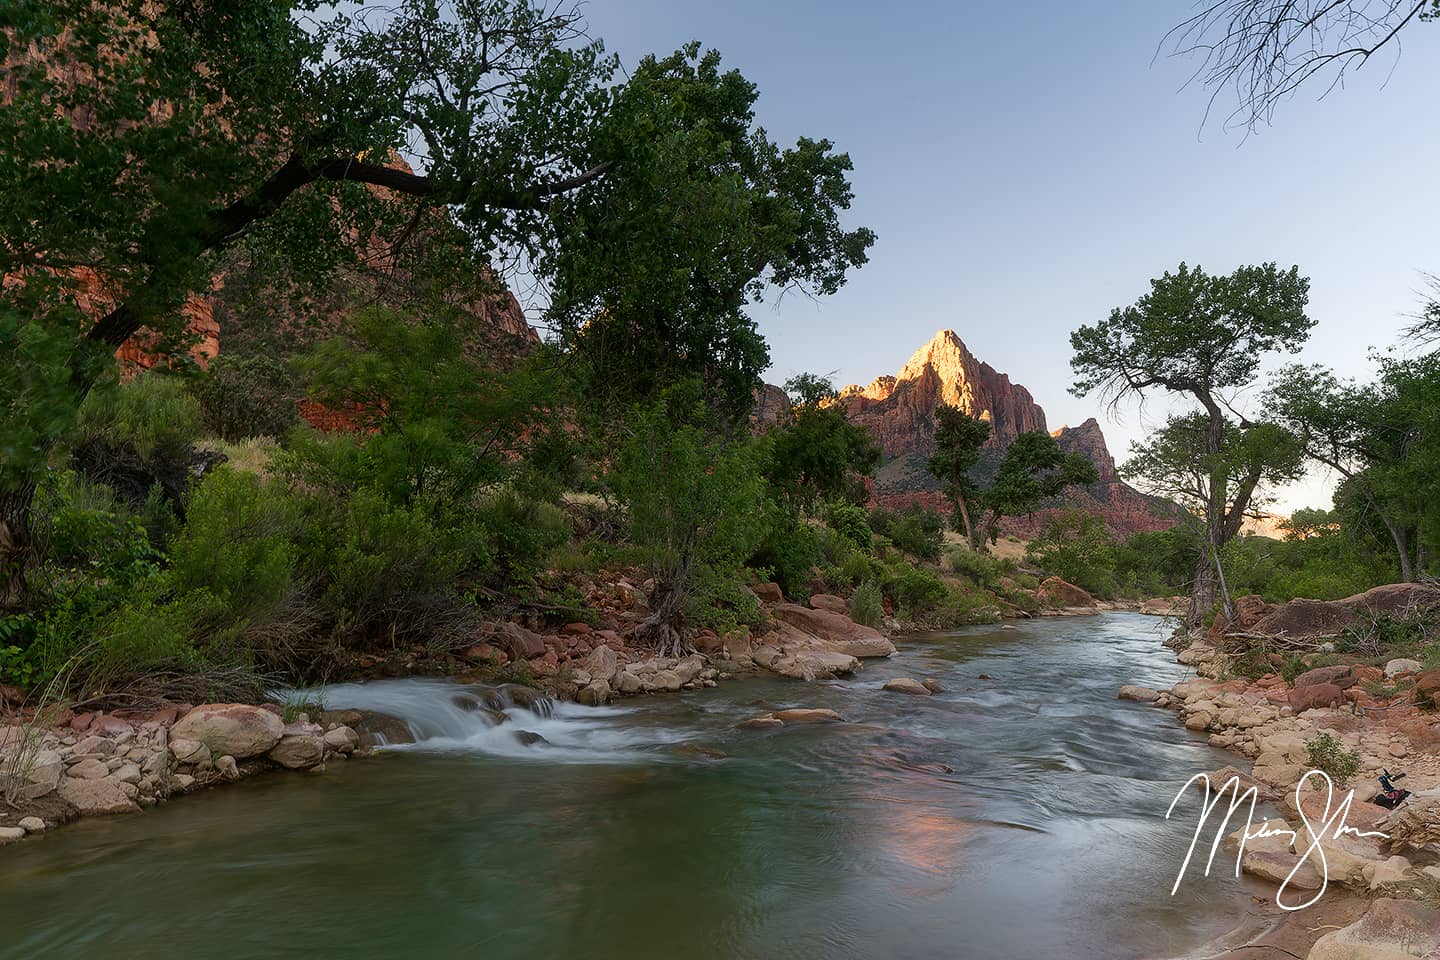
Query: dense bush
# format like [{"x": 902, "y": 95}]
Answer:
[
  {"x": 913, "y": 590},
  {"x": 916, "y": 530},
  {"x": 241, "y": 397},
  {"x": 788, "y": 552},
  {"x": 139, "y": 434},
  {"x": 983, "y": 570},
  {"x": 850, "y": 522}
]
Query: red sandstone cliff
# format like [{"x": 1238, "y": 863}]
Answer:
[{"x": 900, "y": 412}]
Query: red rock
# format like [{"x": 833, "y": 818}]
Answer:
[
  {"x": 521, "y": 644},
  {"x": 1428, "y": 683},
  {"x": 485, "y": 652},
  {"x": 1057, "y": 592},
  {"x": 106, "y": 726},
  {"x": 1339, "y": 675},
  {"x": 81, "y": 721},
  {"x": 1367, "y": 674},
  {"x": 576, "y": 629},
  {"x": 767, "y": 592},
  {"x": 1316, "y": 695}
]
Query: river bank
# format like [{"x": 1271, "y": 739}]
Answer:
[{"x": 1390, "y": 871}]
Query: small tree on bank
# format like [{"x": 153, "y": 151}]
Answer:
[
  {"x": 1201, "y": 336},
  {"x": 958, "y": 440}
]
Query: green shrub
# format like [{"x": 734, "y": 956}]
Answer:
[
  {"x": 247, "y": 396},
  {"x": 137, "y": 435},
  {"x": 850, "y": 522},
  {"x": 866, "y": 605},
  {"x": 237, "y": 542},
  {"x": 789, "y": 552},
  {"x": 1328, "y": 754},
  {"x": 916, "y": 530},
  {"x": 914, "y": 590},
  {"x": 518, "y": 532},
  {"x": 983, "y": 570}
]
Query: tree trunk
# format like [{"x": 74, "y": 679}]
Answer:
[
  {"x": 1402, "y": 549},
  {"x": 663, "y": 629},
  {"x": 1207, "y": 584},
  {"x": 965, "y": 519},
  {"x": 16, "y": 547}
]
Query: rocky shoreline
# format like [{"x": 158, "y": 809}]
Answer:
[{"x": 1272, "y": 722}]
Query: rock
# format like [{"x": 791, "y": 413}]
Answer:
[
  {"x": 348, "y": 718},
  {"x": 11, "y": 834},
  {"x": 302, "y": 728},
  {"x": 529, "y": 738},
  {"x": 815, "y": 664},
  {"x": 1276, "y": 866},
  {"x": 1272, "y": 836},
  {"x": 181, "y": 782},
  {"x": 101, "y": 746},
  {"x": 809, "y": 715},
  {"x": 842, "y": 634},
  {"x": 342, "y": 739},
  {"x": 1138, "y": 693},
  {"x": 767, "y": 592},
  {"x": 298, "y": 752},
  {"x": 597, "y": 693},
  {"x": 189, "y": 751},
  {"x": 1058, "y": 593},
  {"x": 1315, "y": 695},
  {"x": 689, "y": 668},
  {"x": 1390, "y": 930},
  {"x": 602, "y": 664},
  {"x": 577, "y": 629},
  {"x": 628, "y": 682},
  {"x": 906, "y": 685},
  {"x": 88, "y": 769},
  {"x": 128, "y": 773},
  {"x": 32, "y": 824},
  {"x": 830, "y": 602},
  {"x": 1321, "y": 619},
  {"x": 234, "y": 729},
  {"x": 95, "y": 797},
  {"x": 1383, "y": 872},
  {"x": 768, "y": 722},
  {"x": 1428, "y": 683},
  {"x": 1199, "y": 720},
  {"x": 485, "y": 653},
  {"x": 1339, "y": 675},
  {"x": 521, "y": 644},
  {"x": 663, "y": 680},
  {"x": 934, "y": 686},
  {"x": 1401, "y": 665},
  {"x": 228, "y": 768}
]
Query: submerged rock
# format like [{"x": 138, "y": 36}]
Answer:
[
  {"x": 906, "y": 685},
  {"x": 809, "y": 715},
  {"x": 1132, "y": 691}
]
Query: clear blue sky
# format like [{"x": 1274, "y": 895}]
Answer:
[{"x": 1027, "y": 167}]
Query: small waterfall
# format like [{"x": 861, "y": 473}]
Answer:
[{"x": 506, "y": 720}]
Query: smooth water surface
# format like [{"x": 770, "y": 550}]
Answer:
[{"x": 1020, "y": 816}]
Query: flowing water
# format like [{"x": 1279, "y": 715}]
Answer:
[{"x": 1019, "y": 816}]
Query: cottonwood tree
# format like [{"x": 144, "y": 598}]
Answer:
[
  {"x": 958, "y": 440},
  {"x": 1034, "y": 470},
  {"x": 1200, "y": 336},
  {"x": 143, "y": 144},
  {"x": 1381, "y": 438},
  {"x": 1266, "y": 50}
]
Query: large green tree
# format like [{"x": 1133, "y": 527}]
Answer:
[
  {"x": 1034, "y": 470},
  {"x": 1382, "y": 439},
  {"x": 145, "y": 145},
  {"x": 1200, "y": 336},
  {"x": 958, "y": 439}
]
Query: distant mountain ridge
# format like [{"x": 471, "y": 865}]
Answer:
[{"x": 899, "y": 411}]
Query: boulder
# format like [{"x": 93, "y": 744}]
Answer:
[
  {"x": 1390, "y": 930},
  {"x": 521, "y": 644},
  {"x": 808, "y": 715},
  {"x": 815, "y": 664},
  {"x": 689, "y": 668},
  {"x": 1339, "y": 675},
  {"x": 1401, "y": 665},
  {"x": 234, "y": 729},
  {"x": 88, "y": 769},
  {"x": 189, "y": 751},
  {"x": 1428, "y": 683},
  {"x": 11, "y": 834},
  {"x": 761, "y": 723},
  {"x": 602, "y": 664},
  {"x": 768, "y": 592},
  {"x": 597, "y": 693},
  {"x": 1276, "y": 866},
  {"x": 228, "y": 768},
  {"x": 663, "y": 680},
  {"x": 842, "y": 634},
  {"x": 1137, "y": 693},
  {"x": 906, "y": 685},
  {"x": 298, "y": 752},
  {"x": 1058, "y": 593},
  {"x": 93, "y": 798},
  {"x": 934, "y": 686},
  {"x": 342, "y": 739},
  {"x": 101, "y": 746},
  {"x": 1315, "y": 695},
  {"x": 32, "y": 824},
  {"x": 830, "y": 602}
]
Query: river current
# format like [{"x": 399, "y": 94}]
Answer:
[{"x": 1021, "y": 815}]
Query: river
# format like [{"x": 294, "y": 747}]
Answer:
[{"x": 1020, "y": 816}]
